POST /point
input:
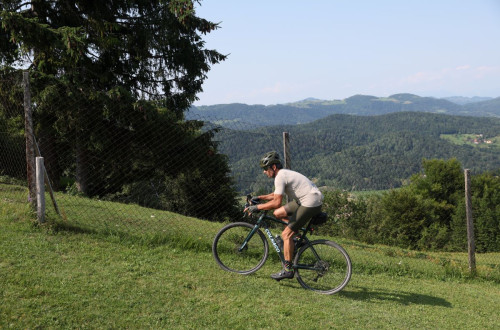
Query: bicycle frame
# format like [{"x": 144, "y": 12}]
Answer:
[{"x": 262, "y": 223}]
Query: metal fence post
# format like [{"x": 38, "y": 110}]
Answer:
[
  {"x": 40, "y": 189},
  {"x": 471, "y": 245},
  {"x": 30, "y": 145}
]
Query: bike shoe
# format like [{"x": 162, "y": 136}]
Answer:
[{"x": 283, "y": 274}]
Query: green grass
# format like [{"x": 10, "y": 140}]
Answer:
[{"x": 158, "y": 272}]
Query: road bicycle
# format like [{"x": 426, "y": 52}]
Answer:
[{"x": 320, "y": 265}]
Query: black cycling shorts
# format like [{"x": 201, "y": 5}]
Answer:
[{"x": 299, "y": 215}]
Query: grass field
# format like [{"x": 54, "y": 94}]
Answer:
[{"x": 72, "y": 275}]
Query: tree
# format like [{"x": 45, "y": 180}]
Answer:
[
  {"x": 442, "y": 181},
  {"x": 405, "y": 215},
  {"x": 12, "y": 145},
  {"x": 82, "y": 50},
  {"x": 485, "y": 198},
  {"x": 112, "y": 76},
  {"x": 419, "y": 215},
  {"x": 147, "y": 46}
]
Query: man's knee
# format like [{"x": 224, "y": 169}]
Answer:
[{"x": 280, "y": 213}]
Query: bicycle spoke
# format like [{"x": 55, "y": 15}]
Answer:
[
  {"x": 234, "y": 254},
  {"x": 323, "y": 266}
]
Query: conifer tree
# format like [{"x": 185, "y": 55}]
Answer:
[{"x": 103, "y": 70}]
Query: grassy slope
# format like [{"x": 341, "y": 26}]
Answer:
[{"x": 69, "y": 278}]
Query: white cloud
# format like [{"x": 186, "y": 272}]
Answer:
[{"x": 463, "y": 67}]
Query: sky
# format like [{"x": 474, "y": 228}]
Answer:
[{"x": 286, "y": 51}]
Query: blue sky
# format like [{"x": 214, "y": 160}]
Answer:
[{"x": 285, "y": 51}]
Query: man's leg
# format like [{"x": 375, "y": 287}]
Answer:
[{"x": 288, "y": 246}]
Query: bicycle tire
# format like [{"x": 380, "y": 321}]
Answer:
[
  {"x": 226, "y": 248},
  {"x": 327, "y": 274}
]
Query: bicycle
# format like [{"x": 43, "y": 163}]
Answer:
[{"x": 320, "y": 265}]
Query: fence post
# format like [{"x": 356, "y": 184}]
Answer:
[
  {"x": 30, "y": 145},
  {"x": 286, "y": 150},
  {"x": 47, "y": 182},
  {"x": 471, "y": 245},
  {"x": 40, "y": 189}
]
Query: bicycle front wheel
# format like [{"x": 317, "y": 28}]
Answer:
[
  {"x": 323, "y": 266},
  {"x": 235, "y": 251}
]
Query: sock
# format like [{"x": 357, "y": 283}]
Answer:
[{"x": 288, "y": 266}]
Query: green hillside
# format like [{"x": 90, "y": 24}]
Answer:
[
  {"x": 363, "y": 152},
  {"x": 117, "y": 270},
  {"x": 239, "y": 115}
]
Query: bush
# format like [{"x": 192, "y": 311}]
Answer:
[{"x": 346, "y": 215}]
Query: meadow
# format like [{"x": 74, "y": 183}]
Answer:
[{"x": 158, "y": 272}]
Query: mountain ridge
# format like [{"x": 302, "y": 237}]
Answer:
[{"x": 310, "y": 109}]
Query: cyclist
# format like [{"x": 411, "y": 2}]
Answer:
[{"x": 306, "y": 202}]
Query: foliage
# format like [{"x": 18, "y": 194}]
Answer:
[
  {"x": 428, "y": 214},
  {"x": 360, "y": 153},
  {"x": 119, "y": 76},
  {"x": 485, "y": 199},
  {"x": 12, "y": 146},
  {"x": 346, "y": 216}
]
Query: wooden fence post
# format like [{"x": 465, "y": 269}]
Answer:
[
  {"x": 30, "y": 145},
  {"x": 286, "y": 155},
  {"x": 471, "y": 245},
  {"x": 286, "y": 151}
]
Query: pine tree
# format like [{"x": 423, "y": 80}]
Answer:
[{"x": 104, "y": 71}]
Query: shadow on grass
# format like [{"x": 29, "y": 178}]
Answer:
[{"x": 404, "y": 298}]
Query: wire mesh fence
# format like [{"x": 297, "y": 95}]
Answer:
[
  {"x": 12, "y": 141},
  {"x": 129, "y": 167}
]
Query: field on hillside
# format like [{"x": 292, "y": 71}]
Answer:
[
  {"x": 477, "y": 140},
  {"x": 67, "y": 274}
]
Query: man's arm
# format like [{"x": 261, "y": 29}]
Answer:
[
  {"x": 267, "y": 197},
  {"x": 273, "y": 204}
]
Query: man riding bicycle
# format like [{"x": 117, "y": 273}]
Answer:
[{"x": 306, "y": 201}]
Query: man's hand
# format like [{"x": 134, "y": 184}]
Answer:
[{"x": 252, "y": 209}]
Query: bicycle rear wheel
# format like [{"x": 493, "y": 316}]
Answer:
[
  {"x": 323, "y": 266},
  {"x": 233, "y": 255}
]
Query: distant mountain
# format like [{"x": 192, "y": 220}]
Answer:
[
  {"x": 242, "y": 116},
  {"x": 489, "y": 108},
  {"x": 466, "y": 100}
]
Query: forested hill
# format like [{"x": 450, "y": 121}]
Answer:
[
  {"x": 230, "y": 115},
  {"x": 366, "y": 152}
]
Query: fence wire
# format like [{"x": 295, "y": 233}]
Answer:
[{"x": 127, "y": 167}]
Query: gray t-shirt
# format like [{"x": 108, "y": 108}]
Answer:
[{"x": 296, "y": 186}]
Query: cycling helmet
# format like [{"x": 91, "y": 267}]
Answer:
[{"x": 269, "y": 159}]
